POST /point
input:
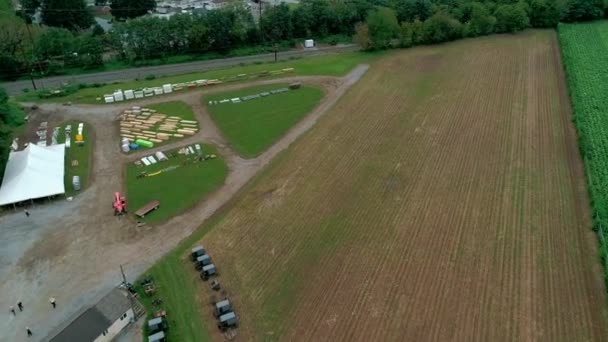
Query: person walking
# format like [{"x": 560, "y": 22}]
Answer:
[
  {"x": 52, "y": 301},
  {"x": 27, "y": 213},
  {"x": 13, "y": 311},
  {"x": 29, "y": 332},
  {"x": 20, "y": 306}
]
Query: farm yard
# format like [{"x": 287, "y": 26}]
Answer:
[
  {"x": 584, "y": 50},
  {"x": 253, "y": 125},
  {"x": 442, "y": 198},
  {"x": 436, "y": 194}
]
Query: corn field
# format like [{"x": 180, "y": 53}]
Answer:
[{"x": 585, "y": 55}]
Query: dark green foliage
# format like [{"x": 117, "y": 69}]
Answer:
[
  {"x": 70, "y": 14},
  {"x": 276, "y": 23},
  {"x": 410, "y": 10},
  {"x": 383, "y": 27},
  {"x": 581, "y": 10},
  {"x": 127, "y": 9},
  {"x": 441, "y": 28},
  {"x": 11, "y": 116},
  {"x": 477, "y": 19},
  {"x": 98, "y": 30},
  {"x": 544, "y": 13},
  {"x": 511, "y": 18}
]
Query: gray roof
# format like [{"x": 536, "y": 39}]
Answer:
[
  {"x": 228, "y": 316},
  {"x": 91, "y": 323},
  {"x": 155, "y": 321},
  {"x": 223, "y": 303},
  {"x": 156, "y": 337}
]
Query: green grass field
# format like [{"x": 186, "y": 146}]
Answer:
[
  {"x": 332, "y": 65},
  {"x": 82, "y": 153},
  {"x": 252, "y": 126},
  {"x": 178, "y": 189},
  {"x": 174, "y": 108}
]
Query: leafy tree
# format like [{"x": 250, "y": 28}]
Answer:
[
  {"x": 98, "y": 30},
  {"x": 362, "y": 36},
  {"x": 220, "y": 35},
  {"x": 12, "y": 45},
  {"x": 477, "y": 20},
  {"x": 127, "y": 9},
  {"x": 441, "y": 27},
  {"x": 406, "y": 34},
  {"x": 276, "y": 23},
  {"x": 511, "y": 18},
  {"x": 581, "y": 10},
  {"x": 198, "y": 39},
  {"x": 383, "y": 27},
  {"x": 409, "y": 10},
  {"x": 11, "y": 116},
  {"x": 544, "y": 13},
  {"x": 70, "y": 14},
  {"x": 55, "y": 43},
  {"x": 90, "y": 51}
]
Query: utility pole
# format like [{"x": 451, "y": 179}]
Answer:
[
  {"x": 124, "y": 279},
  {"x": 29, "y": 67},
  {"x": 29, "y": 33}
]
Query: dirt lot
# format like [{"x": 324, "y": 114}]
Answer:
[
  {"x": 72, "y": 250},
  {"x": 441, "y": 199}
]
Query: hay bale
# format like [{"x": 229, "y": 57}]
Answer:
[
  {"x": 155, "y": 140},
  {"x": 178, "y": 135},
  {"x": 188, "y": 121}
]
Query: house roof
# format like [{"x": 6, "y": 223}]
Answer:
[{"x": 91, "y": 323}]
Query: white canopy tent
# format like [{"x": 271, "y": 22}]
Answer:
[{"x": 33, "y": 173}]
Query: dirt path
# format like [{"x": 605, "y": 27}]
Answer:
[{"x": 72, "y": 250}]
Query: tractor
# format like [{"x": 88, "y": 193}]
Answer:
[{"x": 119, "y": 204}]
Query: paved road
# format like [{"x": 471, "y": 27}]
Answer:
[{"x": 15, "y": 88}]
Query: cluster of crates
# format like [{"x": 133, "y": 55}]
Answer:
[
  {"x": 223, "y": 310},
  {"x": 130, "y": 94}
]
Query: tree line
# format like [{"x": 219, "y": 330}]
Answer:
[
  {"x": 11, "y": 117},
  {"x": 373, "y": 24}
]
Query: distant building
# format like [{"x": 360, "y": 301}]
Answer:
[{"x": 102, "y": 322}]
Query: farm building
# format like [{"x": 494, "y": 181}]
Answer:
[{"x": 101, "y": 322}]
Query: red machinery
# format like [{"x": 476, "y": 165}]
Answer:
[{"x": 119, "y": 205}]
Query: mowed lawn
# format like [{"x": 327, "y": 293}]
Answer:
[
  {"x": 252, "y": 126},
  {"x": 82, "y": 153},
  {"x": 174, "y": 108},
  {"x": 441, "y": 199},
  {"x": 177, "y": 189},
  {"x": 337, "y": 64}
]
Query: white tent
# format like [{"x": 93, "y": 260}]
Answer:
[{"x": 32, "y": 173}]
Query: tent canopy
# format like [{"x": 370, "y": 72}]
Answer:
[{"x": 32, "y": 173}]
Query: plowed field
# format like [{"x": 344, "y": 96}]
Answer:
[{"x": 441, "y": 199}]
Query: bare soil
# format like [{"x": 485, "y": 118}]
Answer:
[
  {"x": 441, "y": 199},
  {"x": 72, "y": 250}
]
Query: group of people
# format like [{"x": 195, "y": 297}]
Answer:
[{"x": 20, "y": 306}]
